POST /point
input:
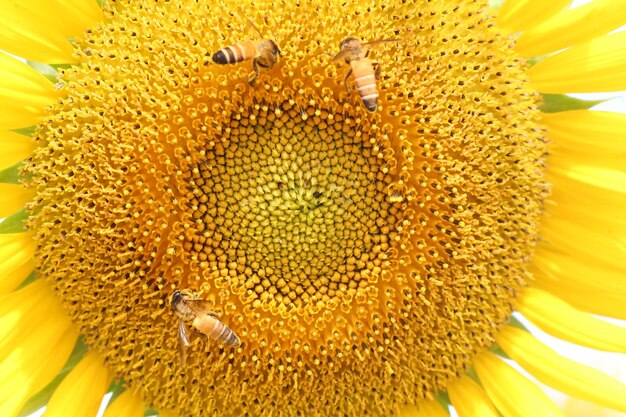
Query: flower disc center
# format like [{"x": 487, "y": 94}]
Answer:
[{"x": 291, "y": 211}]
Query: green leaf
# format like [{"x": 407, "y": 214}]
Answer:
[
  {"x": 498, "y": 351},
  {"x": 150, "y": 412},
  {"x": 46, "y": 70},
  {"x": 11, "y": 175},
  {"x": 14, "y": 223},
  {"x": 40, "y": 399},
  {"x": 443, "y": 399},
  {"x": 26, "y": 131},
  {"x": 514, "y": 321},
  {"x": 60, "y": 67},
  {"x": 115, "y": 389},
  {"x": 472, "y": 374},
  {"x": 553, "y": 103},
  {"x": 29, "y": 279}
]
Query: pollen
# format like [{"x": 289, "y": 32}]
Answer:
[{"x": 362, "y": 258}]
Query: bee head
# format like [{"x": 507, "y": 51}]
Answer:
[
  {"x": 349, "y": 43},
  {"x": 176, "y": 299},
  {"x": 271, "y": 45}
]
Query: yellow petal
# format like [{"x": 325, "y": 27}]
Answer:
[
  {"x": 70, "y": 18},
  {"x": 36, "y": 373},
  {"x": 584, "y": 282},
  {"x": 16, "y": 259},
  {"x": 512, "y": 393},
  {"x": 12, "y": 198},
  {"x": 36, "y": 339},
  {"x": 17, "y": 309},
  {"x": 81, "y": 391},
  {"x": 469, "y": 399},
  {"x": 50, "y": 329},
  {"x": 595, "y": 131},
  {"x": 595, "y": 66},
  {"x": 517, "y": 15},
  {"x": 427, "y": 408},
  {"x": 22, "y": 313},
  {"x": 126, "y": 405},
  {"x": 572, "y": 27},
  {"x": 36, "y": 358},
  {"x": 599, "y": 219},
  {"x": 33, "y": 42},
  {"x": 38, "y": 29},
  {"x": 561, "y": 320},
  {"x": 608, "y": 179},
  {"x": 14, "y": 148},
  {"x": 24, "y": 94},
  {"x": 592, "y": 179},
  {"x": 595, "y": 197},
  {"x": 576, "y": 239},
  {"x": 578, "y": 408},
  {"x": 587, "y": 137},
  {"x": 564, "y": 374}
]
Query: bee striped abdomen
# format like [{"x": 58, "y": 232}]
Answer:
[
  {"x": 365, "y": 81},
  {"x": 216, "y": 330},
  {"x": 236, "y": 53}
]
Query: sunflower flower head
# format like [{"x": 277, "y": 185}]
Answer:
[{"x": 365, "y": 259}]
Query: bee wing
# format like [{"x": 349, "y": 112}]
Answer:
[
  {"x": 183, "y": 341},
  {"x": 200, "y": 307},
  {"x": 341, "y": 55}
]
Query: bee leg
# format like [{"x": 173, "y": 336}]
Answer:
[
  {"x": 183, "y": 342},
  {"x": 345, "y": 80},
  {"x": 202, "y": 335},
  {"x": 255, "y": 67},
  {"x": 213, "y": 314},
  {"x": 376, "y": 69},
  {"x": 182, "y": 351}
]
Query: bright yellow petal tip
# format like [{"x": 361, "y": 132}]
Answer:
[
  {"x": 572, "y": 27},
  {"x": 517, "y": 15},
  {"x": 512, "y": 393},
  {"x": 564, "y": 374},
  {"x": 561, "y": 320},
  {"x": 592, "y": 67}
]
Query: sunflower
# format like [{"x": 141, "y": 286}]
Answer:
[{"x": 373, "y": 257}]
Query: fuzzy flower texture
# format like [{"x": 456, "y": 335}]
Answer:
[{"x": 369, "y": 253}]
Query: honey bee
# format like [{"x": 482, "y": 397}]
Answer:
[
  {"x": 189, "y": 307},
  {"x": 355, "y": 53},
  {"x": 264, "y": 53}
]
